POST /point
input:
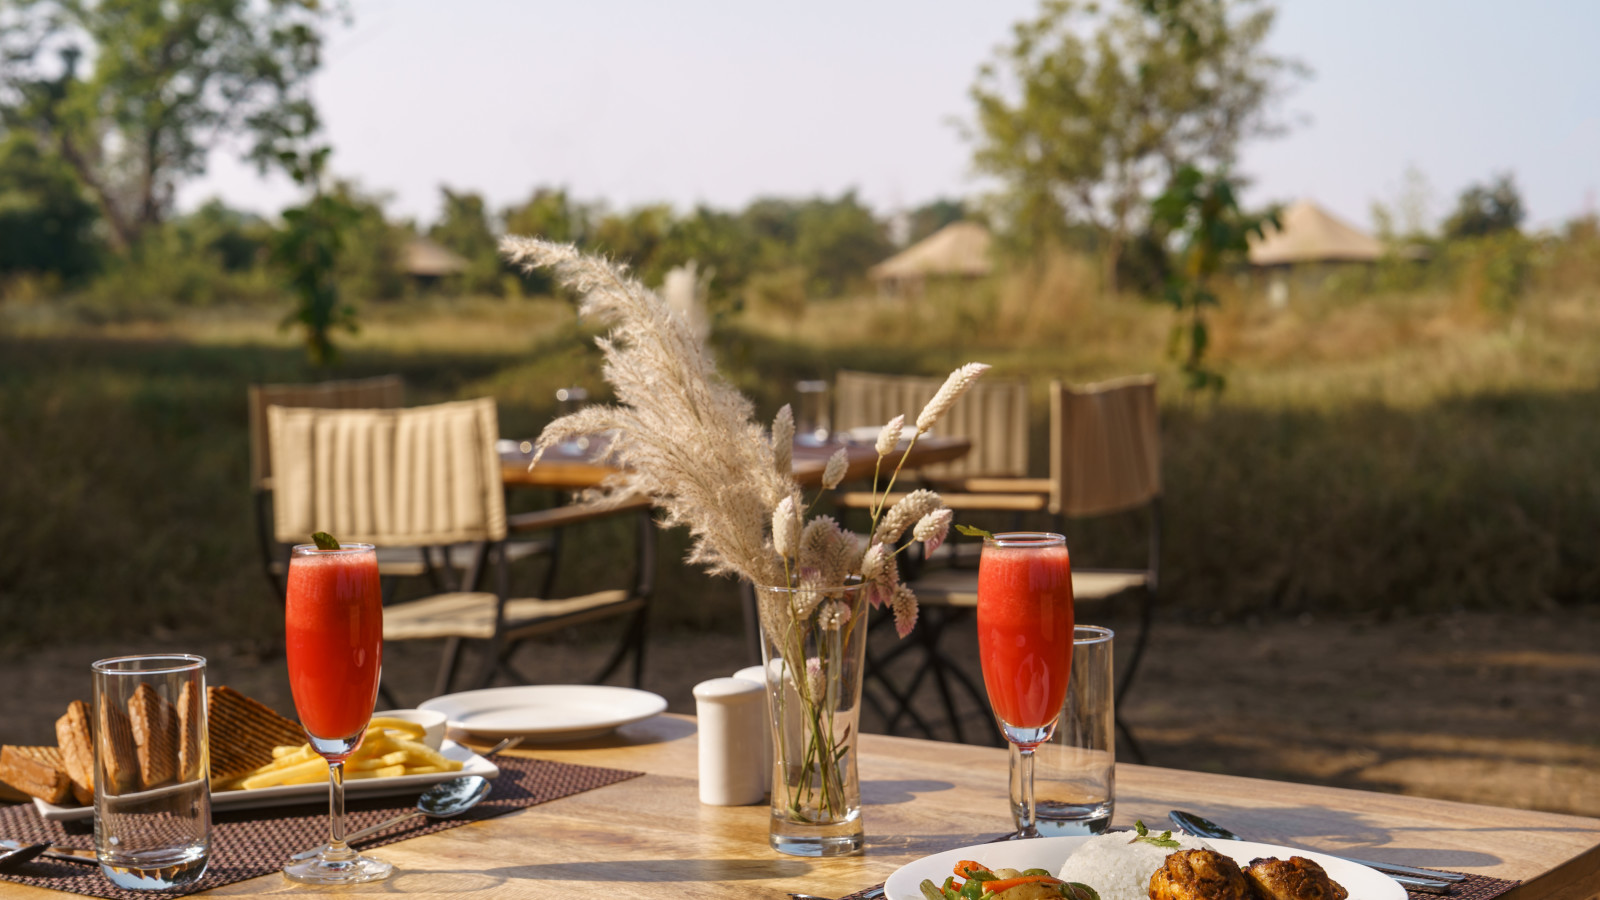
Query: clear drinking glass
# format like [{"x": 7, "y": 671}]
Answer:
[
  {"x": 333, "y": 626},
  {"x": 1025, "y": 633},
  {"x": 1074, "y": 773},
  {"x": 152, "y": 793}
]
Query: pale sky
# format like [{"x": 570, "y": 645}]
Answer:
[{"x": 697, "y": 101}]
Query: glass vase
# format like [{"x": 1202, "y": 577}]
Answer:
[{"x": 814, "y": 646}]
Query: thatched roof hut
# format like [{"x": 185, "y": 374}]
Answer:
[
  {"x": 960, "y": 249},
  {"x": 426, "y": 259},
  {"x": 1311, "y": 234}
]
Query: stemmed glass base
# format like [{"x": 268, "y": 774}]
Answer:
[{"x": 330, "y": 868}]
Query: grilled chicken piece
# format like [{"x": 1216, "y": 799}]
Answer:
[
  {"x": 1297, "y": 878},
  {"x": 1199, "y": 875}
]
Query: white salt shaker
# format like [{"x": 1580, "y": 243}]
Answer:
[
  {"x": 732, "y": 713},
  {"x": 758, "y": 674}
]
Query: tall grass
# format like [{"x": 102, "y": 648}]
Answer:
[{"x": 1375, "y": 450}]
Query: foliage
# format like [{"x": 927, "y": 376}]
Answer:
[
  {"x": 463, "y": 228},
  {"x": 45, "y": 223},
  {"x": 308, "y": 249},
  {"x": 1202, "y": 212},
  {"x": 167, "y": 81},
  {"x": 1484, "y": 209},
  {"x": 1092, "y": 105}
]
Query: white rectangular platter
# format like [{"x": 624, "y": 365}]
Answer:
[{"x": 290, "y": 794}]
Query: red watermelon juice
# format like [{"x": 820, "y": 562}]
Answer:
[
  {"x": 333, "y": 626},
  {"x": 1025, "y": 630}
]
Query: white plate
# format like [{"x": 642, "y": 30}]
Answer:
[
  {"x": 1049, "y": 853},
  {"x": 288, "y": 794},
  {"x": 547, "y": 712}
]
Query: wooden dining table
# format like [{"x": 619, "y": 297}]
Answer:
[
  {"x": 651, "y": 837},
  {"x": 576, "y": 466}
]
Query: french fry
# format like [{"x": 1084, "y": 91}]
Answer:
[
  {"x": 384, "y": 772},
  {"x": 308, "y": 772},
  {"x": 286, "y": 749},
  {"x": 410, "y": 729},
  {"x": 423, "y": 770}
]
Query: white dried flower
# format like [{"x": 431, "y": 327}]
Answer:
[
  {"x": 783, "y": 441},
  {"x": 906, "y": 513},
  {"x": 872, "y": 564},
  {"x": 786, "y": 528},
  {"x": 948, "y": 394},
  {"x": 833, "y": 473},
  {"x": 889, "y": 437},
  {"x": 834, "y": 615},
  {"x": 904, "y": 605},
  {"x": 825, "y": 554},
  {"x": 932, "y": 528},
  {"x": 814, "y": 680}
]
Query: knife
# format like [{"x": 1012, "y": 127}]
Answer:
[{"x": 1424, "y": 880}]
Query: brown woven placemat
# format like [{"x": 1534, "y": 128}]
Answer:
[{"x": 253, "y": 842}]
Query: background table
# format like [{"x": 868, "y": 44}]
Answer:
[
  {"x": 575, "y": 468},
  {"x": 651, "y": 837}
]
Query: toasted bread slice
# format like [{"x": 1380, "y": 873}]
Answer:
[
  {"x": 243, "y": 734},
  {"x": 155, "y": 736},
  {"x": 118, "y": 760},
  {"x": 36, "y": 771},
  {"x": 191, "y": 718},
  {"x": 76, "y": 742}
]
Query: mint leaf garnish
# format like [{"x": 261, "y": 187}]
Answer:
[
  {"x": 325, "y": 541},
  {"x": 970, "y": 531},
  {"x": 1162, "y": 840}
]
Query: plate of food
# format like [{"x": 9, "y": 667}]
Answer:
[
  {"x": 1120, "y": 865},
  {"x": 258, "y": 758},
  {"x": 550, "y": 713}
]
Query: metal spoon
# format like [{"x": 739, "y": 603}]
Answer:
[
  {"x": 1424, "y": 880},
  {"x": 443, "y": 800}
]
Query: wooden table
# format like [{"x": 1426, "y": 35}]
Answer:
[
  {"x": 576, "y": 468},
  {"x": 651, "y": 837}
]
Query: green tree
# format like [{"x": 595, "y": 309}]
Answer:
[
  {"x": 1201, "y": 212},
  {"x": 165, "y": 82},
  {"x": 1092, "y": 106},
  {"x": 1484, "y": 209},
  {"x": 464, "y": 228},
  {"x": 836, "y": 241},
  {"x": 308, "y": 250},
  {"x": 46, "y": 225},
  {"x": 636, "y": 238}
]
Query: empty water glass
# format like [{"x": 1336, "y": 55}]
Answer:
[{"x": 1074, "y": 773}]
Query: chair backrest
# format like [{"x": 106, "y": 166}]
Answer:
[
  {"x": 1105, "y": 446},
  {"x": 381, "y": 392},
  {"x": 423, "y": 476},
  {"x": 992, "y": 414}
]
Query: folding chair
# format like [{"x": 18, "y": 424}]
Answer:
[
  {"x": 992, "y": 414},
  {"x": 430, "y": 477},
  {"x": 1105, "y": 458},
  {"x": 380, "y": 392}
]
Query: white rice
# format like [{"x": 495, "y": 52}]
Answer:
[{"x": 1118, "y": 867}]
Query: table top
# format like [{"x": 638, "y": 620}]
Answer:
[
  {"x": 575, "y": 467},
  {"x": 651, "y": 837}
]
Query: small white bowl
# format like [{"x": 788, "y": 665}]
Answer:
[{"x": 432, "y": 723}]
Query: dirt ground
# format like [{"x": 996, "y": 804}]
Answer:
[{"x": 1480, "y": 708}]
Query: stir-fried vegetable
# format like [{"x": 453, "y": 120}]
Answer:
[{"x": 979, "y": 882}]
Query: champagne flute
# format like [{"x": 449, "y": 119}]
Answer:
[
  {"x": 333, "y": 623},
  {"x": 1025, "y": 632}
]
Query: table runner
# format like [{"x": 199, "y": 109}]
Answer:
[{"x": 253, "y": 842}]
